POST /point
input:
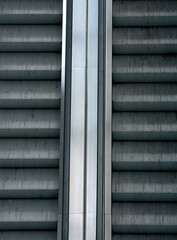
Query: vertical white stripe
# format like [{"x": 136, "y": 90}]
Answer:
[
  {"x": 92, "y": 101},
  {"x": 78, "y": 108}
]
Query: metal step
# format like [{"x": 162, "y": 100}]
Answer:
[
  {"x": 31, "y": 12},
  {"x": 28, "y": 235},
  {"x": 26, "y": 38},
  {"x": 30, "y": 98},
  {"x": 144, "y": 68},
  {"x": 144, "y": 186},
  {"x": 30, "y": 66},
  {"x": 144, "y": 120},
  {"x": 144, "y": 237},
  {"x": 30, "y": 94},
  {"x": 144, "y": 13},
  {"x": 29, "y": 123},
  {"x": 144, "y": 156},
  {"x": 144, "y": 126},
  {"x": 156, "y": 40},
  {"x": 28, "y": 214},
  {"x": 24, "y": 183},
  {"x": 145, "y": 97},
  {"x": 29, "y": 153},
  {"x": 144, "y": 218}
]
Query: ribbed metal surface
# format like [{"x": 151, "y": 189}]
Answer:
[
  {"x": 25, "y": 38},
  {"x": 28, "y": 235},
  {"x": 28, "y": 214},
  {"x": 30, "y": 94},
  {"x": 144, "y": 237},
  {"x": 24, "y": 153},
  {"x": 30, "y": 66},
  {"x": 30, "y": 98},
  {"x": 144, "y": 120},
  {"x": 31, "y": 12},
  {"x": 16, "y": 183},
  {"x": 144, "y": 13}
]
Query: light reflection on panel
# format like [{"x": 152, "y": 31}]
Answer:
[{"x": 77, "y": 140}]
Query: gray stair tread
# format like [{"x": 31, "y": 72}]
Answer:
[
  {"x": 30, "y": 94},
  {"x": 144, "y": 217},
  {"x": 30, "y": 66},
  {"x": 144, "y": 68},
  {"x": 145, "y": 13},
  {"x": 31, "y": 12},
  {"x": 28, "y": 235},
  {"x": 144, "y": 186},
  {"x": 29, "y": 152},
  {"x": 29, "y": 123},
  {"x": 27, "y": 183},
  {"x": 26, "y": 38},
  {"x": 145, "y": 97},
  {"x": 144, "y": 40},
  {"x": 144, "y": 126},
  {"x": 28, "y": 214},
  {"x": 144, "y": 237},
  {"x": 144, "y": 156}
]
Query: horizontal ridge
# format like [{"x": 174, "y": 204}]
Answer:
[{"x": 28, "y": 214}]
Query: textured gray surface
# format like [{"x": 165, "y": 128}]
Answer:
[
  {"x": 30, "y": 96},
  {"x": 28, "y": 214},
  {"x": 145, "y": 13},
  {"x": 144, "y": 120},
  {"x": 29, "y": 153},
  {"x": 144, "y": 126},
  {"x": 145, "y": 97},
  {"x": 24, "y": 183},
  {"x": 22, "y": 38},
  {"x": 144, "y": 186},
  {"x": 29, "y": 123},
  {"x": 154, "y": 40},
  {"x": 144, "y": 68},
  {"x": 144, "y": 237},
  {"x": 31, "y": 12},
  {"x": 144, "y": 155},
  {"x": 28, "y": 235},
  {"x": 144, "y": 217},
  {"x": 30, "y": 66}
]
